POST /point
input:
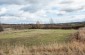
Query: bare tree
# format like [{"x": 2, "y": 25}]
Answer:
[
  {"x": 51, "y": 21},
  {"x": 38, "y": 24}
]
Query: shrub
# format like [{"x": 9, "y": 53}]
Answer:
[{"x": 1, "y": 28}]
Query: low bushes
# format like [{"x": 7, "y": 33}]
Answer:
[{"x": 1, "y": 29}]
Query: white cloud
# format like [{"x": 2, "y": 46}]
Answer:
[
  {"x": 43, "y": 10},
  {"x": 3, "y": 10}
]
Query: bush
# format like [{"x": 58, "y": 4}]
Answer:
[{"x": 1, "y": 28}]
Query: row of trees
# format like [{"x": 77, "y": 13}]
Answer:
[
  {"x": 39, "y": 25},
  {"x": 22, "y": 26},
  {"x": 43, "y": 26}
]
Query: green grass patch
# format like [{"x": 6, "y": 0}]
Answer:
[{"x": 35, "y": 36}]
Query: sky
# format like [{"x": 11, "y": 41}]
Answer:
[{"x": 31, "y": 11}]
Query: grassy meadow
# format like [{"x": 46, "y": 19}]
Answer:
[{"x": 35, "y": 36}]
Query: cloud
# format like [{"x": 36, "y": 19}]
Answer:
[
  {"x": 22, "y": 2},
  {"x": 72, "y": 9},
  {"x": 36, "y": 5},
  {"x": 66, "y": 2},
  {"x": 73, "y": 6},
  {"x": 3, "y": 10},
  {"x": 32, "y": 8},
  {"x": 60, "y": 11},
  {"x": 11, "y": 10},
  {"x": 18, "y": 2}
]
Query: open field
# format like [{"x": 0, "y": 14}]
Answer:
[
  {"x": 35, "y": 36},
  {"x": 42, "y": 42},
  {"x": 36, "y": 42}
]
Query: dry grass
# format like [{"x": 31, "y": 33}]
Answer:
[
  {"x": 74, "y": 48},
  {"x": 79, "y": 35}
]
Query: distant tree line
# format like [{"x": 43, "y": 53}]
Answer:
[
  {"x": 41, "y": 26},
  {"x": 38, "y": 25}
]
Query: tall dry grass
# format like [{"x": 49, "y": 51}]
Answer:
[
  {"x": 79, "y": 35},
  {"x": 73, "y": 48}
]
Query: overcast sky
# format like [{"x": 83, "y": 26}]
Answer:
[{"x": 30, "y": 11}]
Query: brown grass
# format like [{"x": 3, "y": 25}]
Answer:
[
  {"x": 79, "y": 35},
  {"x": 73, "y": 48}
]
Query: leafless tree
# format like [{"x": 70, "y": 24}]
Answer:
[
  {"x": 51, "y": 21},
  {"x": 38, "y": 24}
]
